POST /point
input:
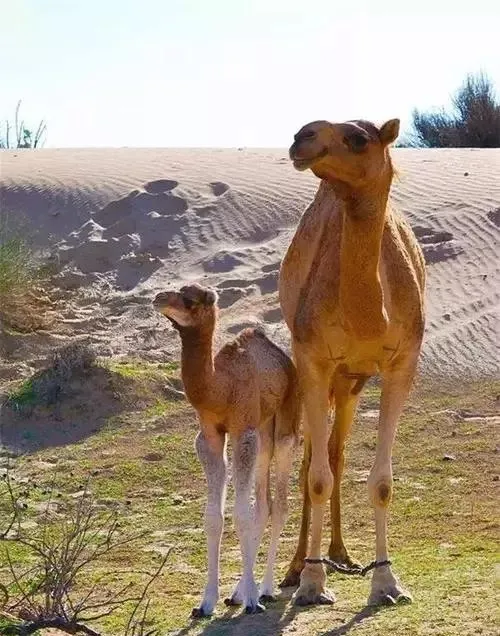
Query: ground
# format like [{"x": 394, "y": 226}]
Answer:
[{"x": 141, "y": 460}]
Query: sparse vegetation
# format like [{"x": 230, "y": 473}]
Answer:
[
  {"x": 45, "y": 387},
  {"x": 23, "y": 301},
  {"x": 443, "y": 529},
  {"x": 61, "y": 550},
  {"x": 473, "y": 122},
  {"x": 20, "y": 135}
]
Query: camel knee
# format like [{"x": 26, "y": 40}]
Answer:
[
  {"x": 279, "y": 508},
  {"x": 214, "y": 519},
  {"x": 320, "y": 482},
  {"x": 380, "y": 489},
  {"x": 242, "y": 517}
]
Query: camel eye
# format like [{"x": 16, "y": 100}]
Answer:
[
  {"x": 306, "y": 135},
  {"x": 188, "y": 302},
  {"x": 356, "y": 142}
]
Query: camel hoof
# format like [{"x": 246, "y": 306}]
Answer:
[
  {"x": 394, "y": 598},
  {"x": 387, "y": 590},
  {"x": 321, "y": 598},
  {"x": 267, "y": 598},
  {"x": 199, "y": 612},
  {"x": 386, "y": 599},
  {"x": 255, "y": 609},
  {"x": 232, "y": 602}
]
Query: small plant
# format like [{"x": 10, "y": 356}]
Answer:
[{"x": 18, "y": 135}]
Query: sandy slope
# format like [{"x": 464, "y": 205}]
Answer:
[{"x": 125, "y": 223}]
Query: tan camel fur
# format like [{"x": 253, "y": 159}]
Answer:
[
  {"x": 352, "y": 293},
  {"x": 249, "y": 392}
]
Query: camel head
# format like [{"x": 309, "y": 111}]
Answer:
[
  {"x": 191, "y": 306},
  {"x": 353, "y": 153}
]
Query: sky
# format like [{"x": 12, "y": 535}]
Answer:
[{"x": 233, "y": 73}]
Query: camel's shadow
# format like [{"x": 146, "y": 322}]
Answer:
[{"x": 273, "y": 622}]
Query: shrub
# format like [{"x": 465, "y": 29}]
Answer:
[
  {"x": 474, "y": 121},
  {"x": 46, "y": 385}
]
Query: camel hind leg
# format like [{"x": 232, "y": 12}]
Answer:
[
  {"x": 286, "y": 434},
  {"x": 345, "y": 408},
  {"x": 263, "y": 502},
  {"x": 246, "y": 451}
]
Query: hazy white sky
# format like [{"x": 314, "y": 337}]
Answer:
[{"x": 233, "y": 72}]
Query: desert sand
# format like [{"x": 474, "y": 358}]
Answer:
[{"x": 122, "y": 224}]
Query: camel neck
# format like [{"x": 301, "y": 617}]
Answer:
[
  {"x": 360, "y": 288},
  {"x": 197, "y": 363}
]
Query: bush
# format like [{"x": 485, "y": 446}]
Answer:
[
  {"x": 52, "y": 591},
  {"x": 46, "y": 385},
  {"x": 473, "y": 123}
]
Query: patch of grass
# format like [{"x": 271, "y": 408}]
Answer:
[
  {"x": 443, "y": 529},
  {"x": 23, "y": 396},
  {"x": 138, "y": 369}
]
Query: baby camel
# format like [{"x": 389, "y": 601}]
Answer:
[{"x": 248, "y": 391}]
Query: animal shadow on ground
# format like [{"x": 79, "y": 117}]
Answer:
[
  {"x": 65, "y": 413},
  {"x": 367, "y": 612},
  {"x": 273, "y": 622}
]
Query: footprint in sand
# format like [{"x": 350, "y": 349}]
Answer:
[
  {"x": 273, "y": 315},
  {"x": 268, "y": 283},
  {"x": 437, "y": 246},
  {"x": 229, "y": 296},
  {"x": 138, "y": 204},
  {"x": 272, "y": 267},
  {"x": 234, "y": 282},
  {"x": 160, "y": 185},
  {"x": 494, "y": 216},
  {"x": 218, "y": 188},
  {"x": 223, "y": 261}
]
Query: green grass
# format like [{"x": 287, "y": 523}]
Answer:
[
  {"x": 138, "y": 369},
  {"x": 23, "y": 396},
  {"x": 443, "y": 528}
]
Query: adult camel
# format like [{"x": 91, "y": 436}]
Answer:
[{"x": 352, "y": 294}]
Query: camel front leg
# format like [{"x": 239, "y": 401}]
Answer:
[
  {"x": 212, "y": 455},
  {"x": 315, "y": 384},
  {"x": 292, "y": 577},
  {"x": 386, "y": 589}
]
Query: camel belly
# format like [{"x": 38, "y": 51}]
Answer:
[{"x": 336, "y": 346}]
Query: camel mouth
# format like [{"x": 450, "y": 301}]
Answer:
[{"x": 301, "y": 164}]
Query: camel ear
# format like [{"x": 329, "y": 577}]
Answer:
[
  {"x": 389, "y": 131},
  {"x": 210, "y": 297}
]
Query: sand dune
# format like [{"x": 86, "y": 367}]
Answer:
[{"x": 126, "y": 223}]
